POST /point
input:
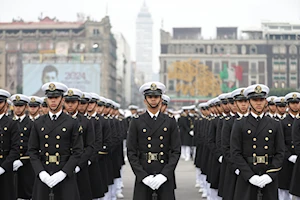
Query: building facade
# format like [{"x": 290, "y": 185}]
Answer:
[
  {"x": 144, "y": 42},
  {"x": 268, "y": 55},
  {"x": 83, "y": 53}
]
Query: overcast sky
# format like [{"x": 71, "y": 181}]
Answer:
[{"x": 207, "y": 14}]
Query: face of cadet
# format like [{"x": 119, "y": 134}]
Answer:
[
  {"x": 19, "y": 110},
  {"x": 258, "y": 104},
  {"x": 71, "y": 106},
  {"x": 272, "y": 108},
  {"x": 243, "y": 105},
  {"x": 50, "y": 77},
  {"x": 153, "y": 100},
  {"x": 100, "y": 109},
  {"x": 294, "y": 106},
  {"x": 281, "y": 109},
  {"x": 163, "y": 108},
  {"x": 33, "y": 110},
  {"x": 54, "y": 103},
  {"x": 82, "y": 107}
]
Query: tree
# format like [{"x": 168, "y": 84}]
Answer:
[{"x": 281, "y": 91}]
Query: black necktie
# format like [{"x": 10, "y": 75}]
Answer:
[
  {"x": 54, "y": 117},
  {"x": 154, "y": 118},
  {"x": 258, "y": 118}
]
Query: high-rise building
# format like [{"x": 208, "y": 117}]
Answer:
[
  {"x": 81, "y": 54},
  {"x": 144, "y": 42}
]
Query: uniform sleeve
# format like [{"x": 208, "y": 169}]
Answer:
[
  {"x": 33, "y": 150},
  {"x": 132, "y": 151},
  {"x": 236, "y": 150},
  {"x": 89, "y": 144},
  {"x": 14, "y": 147},
  {"x": 174, "y": 151},
  {"x": 212, "y": 137},
  {"x": 218, "y": 138},
  {"x": 77, "y": 148},
  {"x": 296, "y": 135}
]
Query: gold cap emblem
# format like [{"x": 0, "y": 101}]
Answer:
[
  {"x": 32, "y": 99},
  {"x": 18, "y": 98},
  {"x": 294, "y": 96},
  {"x": 153, "y": 86},
  {"x": 82, "y": 96},
  {"x": 282, "y": 100},
  {"x": 272, "y": 99},
  {"x": 242, "y": 92},
  {"x": 70, "y": 93},
  {"x": 258, "y": 89},
  {"x": 52, "y": 87}
]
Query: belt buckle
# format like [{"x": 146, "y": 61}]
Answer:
[
  {"x": 152, "y": 156},
  {"x": 260, "y": 159},
  {"x": 52, "y": 159}
]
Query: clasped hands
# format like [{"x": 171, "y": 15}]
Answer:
[
  {"x": 260, "y": 181},
  {"x": 52, "y": 180},
  {"x": 154, "y": 182}
]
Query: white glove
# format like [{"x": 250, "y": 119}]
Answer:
[
  {"x": 148, "y": 180},
  {"x": 237, "y": 172},
  {"x": 2, "y": 171},
  {"x": 57, "y": 178},
  {"x": 158, "y": 180},
  {"x": 77, "y": 169},
  {"x": 17, "y": 164},
  {"x": 255, "y": 180},
  {"x": 293, "y": 158},
  {"x": 89, "y": 162},
  {"x": 220, "y": 159},
  {"x": 265, "y": 180},
  {"x": 45, "y": 177},
  {"x": 191, "y": 133}
]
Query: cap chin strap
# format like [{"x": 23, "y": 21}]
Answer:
[
  {"x": 255, "y": 109},
  {"x": 240, "y": 109},
  {"x": 35, "y": 112},
  {"x": 151, "y": 105},
  {"x": 296, "y": 111},
  {"x": 76, "y": 109},
  {"x": 54, "y": 110}
]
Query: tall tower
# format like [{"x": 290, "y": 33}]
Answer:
[{"x": 144, "y": 42}]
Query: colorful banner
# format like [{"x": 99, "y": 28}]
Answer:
[{"x": 85, "y": 77}]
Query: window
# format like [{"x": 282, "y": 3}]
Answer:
[
  {"x": 165, "y": 66},
  {"x": 208, "y": 49},
  {"x": 293, "y": 66},
  {"x": 275, "y": 49},
  {"x": 253, "y": 49},
  {"x": 216, "y": 50},
  {"x": 96, "y": 32},
  {"x": 253, "y": 68},
  {"x": 293, "y": 49},
  {"x": 171, "y": 85},
  {"x": 282, "y": 49},
  {"x": 233, "y": 49},
  {"x": 243, "y": 50}
]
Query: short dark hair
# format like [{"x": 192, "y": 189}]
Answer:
[{"x": 49, "y": 68}]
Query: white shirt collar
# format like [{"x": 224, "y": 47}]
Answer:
[
  {"x": 75, "y": 114},
  {"x": 36, "y": 117},
  {"x": 293, "y": 116},
  {"x": 152, "y": 115},
  {"x": 94, "y": 114},
  {"x": 255, "y": 115},
  {"x": 2, "y": 115},
  {"x": 232, "y": 114},
  {"x": 21, "y": 118},
  {"x": 57, "y": 114}
]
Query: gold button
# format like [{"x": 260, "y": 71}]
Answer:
[
  {"x": 161, "y": 146},
  {"x": 293, "y": 146},
  {"x": 20, "y": 134},
  {"x": 161, "y": 137},
  {"x": 162, "y": 161},
  {"x": 254, "y": 139},
  {"x": 25, "y": 129},
  {"x": 58, "y": 137},
  {"x": 161, "y": 153},
  {"x": 46, "y": 145},
  {"x": 270, "y": 131},
  {"x": 5, "y": 128},
  {"x": 266, "y": 138},
  {"x": 1, "y": 134},
  {"x": 21, "y": 154},
  {"x": 149, "y": 145},
  {"x": 46, "y": 136},
  {"x": 57, "y": 146},
  {"x": 47, "y": 163},
  {"x": 21, "y": 141},
  {"x": 254, "y": 146},
  {"x": 47, "y": 154},
  {"x": 42, "y": 129},
  {"x": 254, "y": 154},
  {"x": 289, "y": 124},
  {"x": 266, "y": 147},
  {"x": 144, "y": 130},
  {"x": 149, "y": 161},
  {"x": 249, "y": 131},
  {"x": 165, "y": 129},
  {"x": 64, "y": 129},
  {"x": 149, "y": 138},
  {"x": 21, "y": 147},
  {"x": 57, "y": 163},
  {"x": 57, "y": 154}
]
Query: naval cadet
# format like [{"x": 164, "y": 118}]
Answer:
[
  {"x": 72, "y": 98},
  {"x": 9, "y": 149},
  {"x": 280, "y": 108},
  {"x": 55, "y": 147},
  {"x": 271, "y": 107},
  {"x": 45, "y": 109},
  {"x": 34, "y": 107},
  {"x": 257, "y": 149},
  {"x": 24, "y": 173},
  {"x": 153, "y": 148},
  {"x": 165, "y": 102}
]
